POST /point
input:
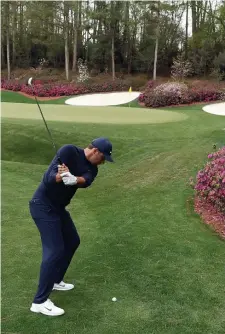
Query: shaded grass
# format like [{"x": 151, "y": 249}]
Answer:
[
  {"x": 15, "y": 97},
  {"x": 139, "y": 241}
]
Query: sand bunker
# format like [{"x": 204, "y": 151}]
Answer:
[
  {"x": 103, "y": 99},
  {"x": 216, "y": 109}
]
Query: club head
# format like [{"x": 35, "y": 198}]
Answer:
[{"x": 30, "y": 81}]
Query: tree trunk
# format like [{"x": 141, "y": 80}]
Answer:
[
  {"x": 14, "y": 4},
  {"x": 129, "y": 58},
  {"x": 3, "y": 35},
  {"x": 66, "y": 14},
  {"x": 194, "y": 17},
  {"x": 76, "y": 18},
  {"x": 7, "y": 40},
  {"x": 21, "y": 23},
  {"x": 8, "y": 54},
  {"x": 131, "y": 47},
  {"x": 95, "y": 24},
  {"x": 66, "y": 57},
  {"x": 129, "y": 38},
  {"x": 113, "y": 58},
  {"x": 79, "y": 31},
  {"x": 186, "y": 32},
  {"x": 156, "y": 44},
  {"x": 126, "y": 32},
  {"x": 204, "y": 13},
  {"x": 86, "y": 34},
  {"x": 112, "y": 32},
  {"x": 156, "y": 56},
  {"x": 2, "y": 54}
]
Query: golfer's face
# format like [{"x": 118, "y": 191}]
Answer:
[{"x": 98, "y": 157}]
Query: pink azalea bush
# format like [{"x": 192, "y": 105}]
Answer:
[
  {"x": 10, "y": 85},
  {"x": 175, "y": 93},
  {"x": 204, "y": 92},
  {"x": 203, "y": 95},
  {"x": 210, "y": 181},
  {"x": 166, "y": 94},
  {"x": 53, "y": 89}
]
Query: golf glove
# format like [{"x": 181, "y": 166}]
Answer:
[{"x": 69, "y": 179}]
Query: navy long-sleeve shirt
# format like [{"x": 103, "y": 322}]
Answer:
[{"x": 59, "y": 195}]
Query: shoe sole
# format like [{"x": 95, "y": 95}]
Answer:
[
  {"x": 63, "y": 289},
  {"x": 50, "y": 315}
]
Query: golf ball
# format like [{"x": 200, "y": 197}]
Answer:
[{"x": 114, "y": 299}]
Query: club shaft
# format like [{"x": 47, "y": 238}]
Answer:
[{"x": 47, "y": 127}]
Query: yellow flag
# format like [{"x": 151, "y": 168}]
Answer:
[{"x": 130, "y": 90}]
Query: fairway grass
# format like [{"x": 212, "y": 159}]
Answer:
[
  {"x": 140, "y": 240},
  {"x": 110, "y": 115}
]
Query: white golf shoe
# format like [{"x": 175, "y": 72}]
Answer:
[
  {"x": 63, "y": 286},
  {"x": 47, "y": 308}
]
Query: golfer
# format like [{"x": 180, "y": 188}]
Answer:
[{"x": 58, "y": 233}]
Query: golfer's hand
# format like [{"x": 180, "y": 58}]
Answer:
[
  {"x": 62, "y": 169},
  {"x": 69, "y": 179}
]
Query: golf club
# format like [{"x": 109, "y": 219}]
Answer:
[{"x": 30, "y": 84}]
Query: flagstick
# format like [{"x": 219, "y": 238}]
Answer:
[{"x": 130, "y": 90}]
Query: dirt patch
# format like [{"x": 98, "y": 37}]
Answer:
[{"x": 211, "y": 216}]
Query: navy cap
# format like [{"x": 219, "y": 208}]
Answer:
[{"x": 104, "y": 146}]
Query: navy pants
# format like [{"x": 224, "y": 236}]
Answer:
[{"x": 59, "y": 242}]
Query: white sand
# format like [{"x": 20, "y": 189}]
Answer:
[
  {"x": 103, "y": 99},
  {"x": 216, "y": 109}
]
